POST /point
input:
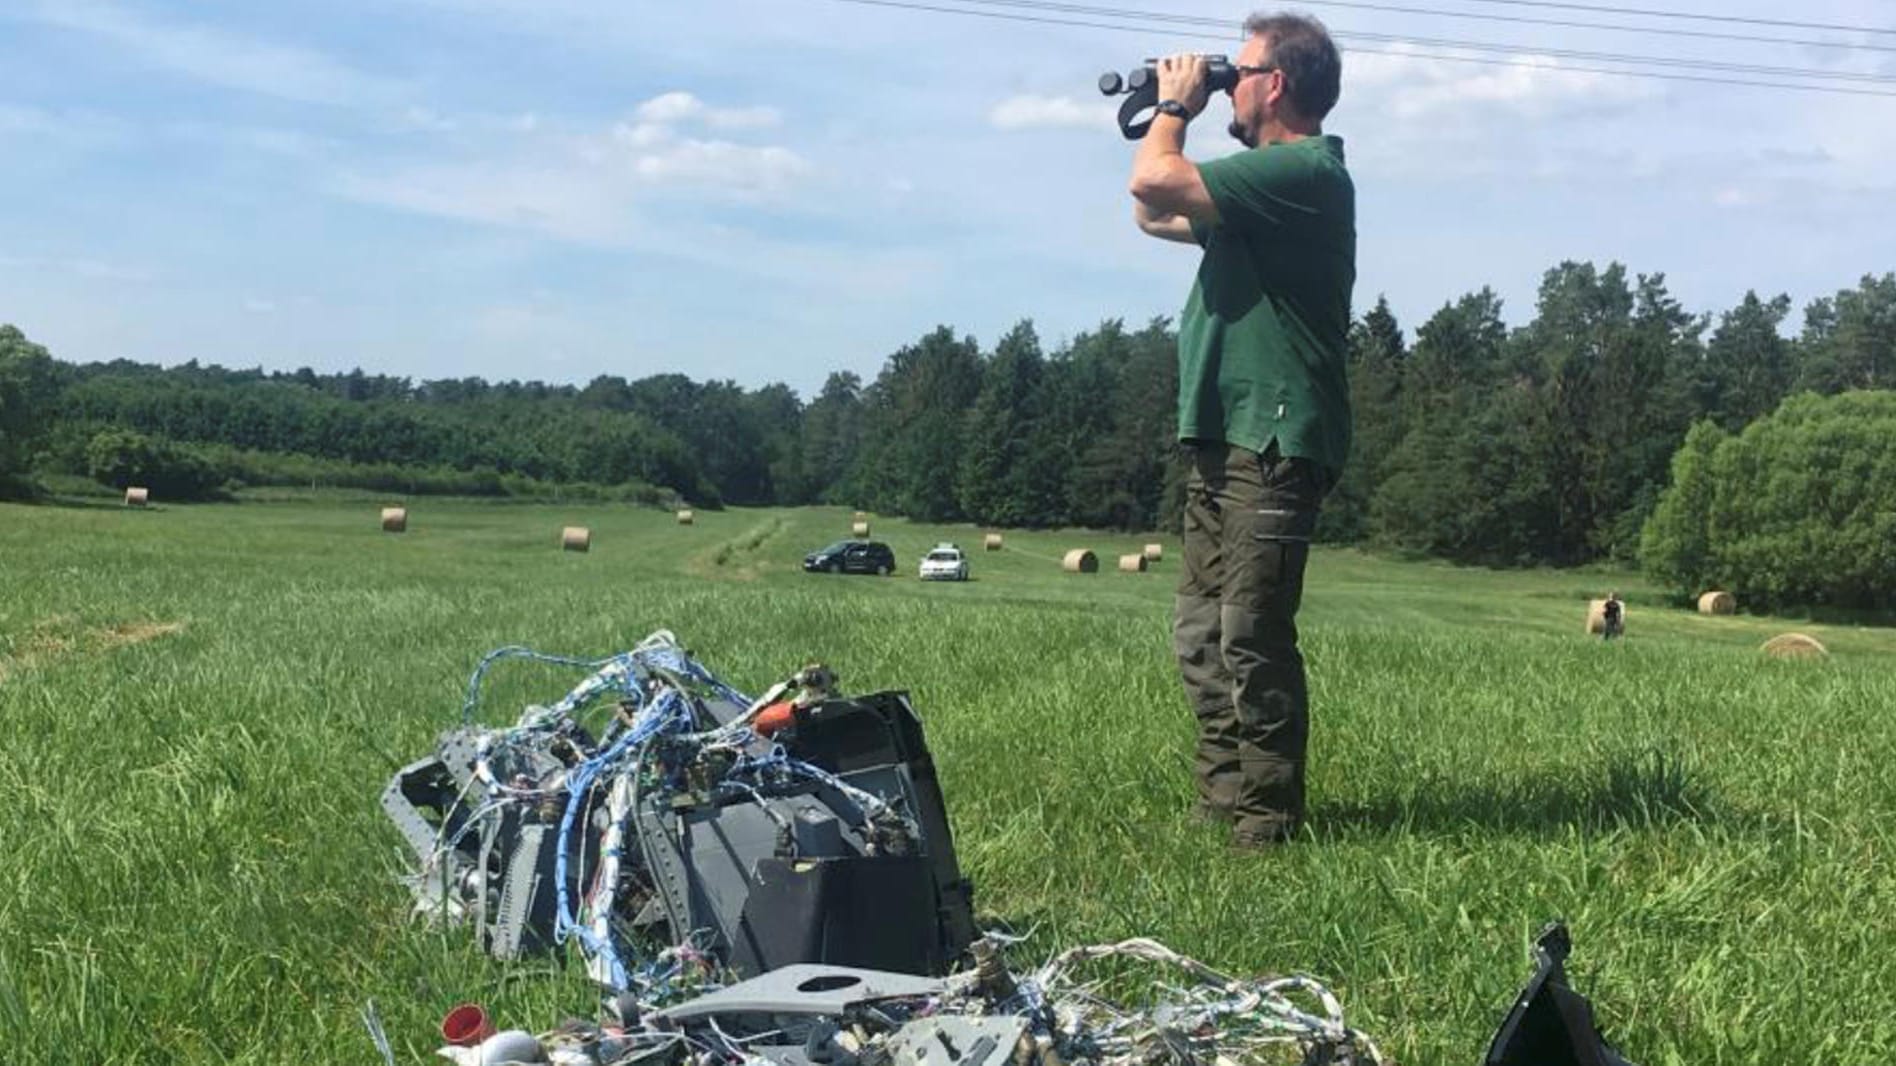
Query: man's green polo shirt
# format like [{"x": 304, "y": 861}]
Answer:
[{"x": 1262, "y": 343}]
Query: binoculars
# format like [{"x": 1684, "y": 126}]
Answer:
[{"x": 1141, "y": 87}]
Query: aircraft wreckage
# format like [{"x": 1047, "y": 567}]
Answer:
[{"x": 772, "y": 882}]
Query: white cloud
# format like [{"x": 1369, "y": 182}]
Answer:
[
  {"x": 70, "y": 128},
  {"x": 259, "y": 307},
  {"x": 571, "y": 202},
  {"x": 99, "y": 270},
  {"x": 217, "y": 56},
  {"x": 587, "y": 187},
  {"x": 676, "y": 108},
  {"x": 1028, "y": 111},
  {"x": 741, "y": 168},
  {"x": 1407, "y": 84},
  {"x": 17, "y": 119},
  {"x": 641, "y": 135},
  {"x": 427, "y": 120},
  {"x": 84, "y": 267}
]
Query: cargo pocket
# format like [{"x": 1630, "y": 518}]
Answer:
[{"x": 1279, "y": 548}]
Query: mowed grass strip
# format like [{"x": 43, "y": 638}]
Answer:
[{"x": 198, "y": 871}]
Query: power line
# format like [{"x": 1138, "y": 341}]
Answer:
[
  {"x": 1435, "y": 12},
  {"x": 1477, "y": 46},
  {"x": 1616, "y": 57},
  {"x": 1687, "y": 15},
  {"x": 912, "y": 5}
]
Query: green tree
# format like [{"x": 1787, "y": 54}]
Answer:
[
  {"x": 28, "y": 383},
  {"x": 121, "y": 459},
  {"x": 993, "y": 480},
  {"x": 1849, "y": 340},
  {"x": 1675, "y": 546},
  {"x": 917, "y": 413},
  {"x": 1798, "y": 510},
  {"x": 1748, "y": 364},
  {"x": 1376, "y": 356},
  {"x": 832, "y": 435},
  {"x": 1425, "y": 480}
]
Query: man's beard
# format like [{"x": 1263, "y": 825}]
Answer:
[{"x": 1244, "y": 136}]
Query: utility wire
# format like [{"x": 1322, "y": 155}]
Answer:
[
  {"x": 912, "y": 5},
  {"x": 1618, "y": 57},
  {"x": 1436, "y": 12},
  {"x": 1687, "y": 15}
]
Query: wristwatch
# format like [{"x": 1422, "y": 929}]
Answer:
[{"x": 1174, "y": 109}]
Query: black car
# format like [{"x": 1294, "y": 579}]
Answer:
[{"x": 852, "y": 557}]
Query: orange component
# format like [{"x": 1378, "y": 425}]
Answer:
[{"x": 774, "y": 717}]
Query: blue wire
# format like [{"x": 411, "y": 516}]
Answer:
[
  {"x": 668, "y": 713},
  {"x": 514, "y": 651}
]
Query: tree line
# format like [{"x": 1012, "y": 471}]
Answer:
[{"x": 1477, "y": 442}]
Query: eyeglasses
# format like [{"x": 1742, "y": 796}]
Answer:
[{"x": 1245, "y": 72}]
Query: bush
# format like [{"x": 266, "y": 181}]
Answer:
[
  {"x": 251, "y": 468},
  {"x": 1798, "y": 511},
  {"x": 27, "y": 385},
  {"x": 121, "y": 458}
]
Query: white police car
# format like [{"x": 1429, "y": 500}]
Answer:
[{"x": 944, "y": 562}]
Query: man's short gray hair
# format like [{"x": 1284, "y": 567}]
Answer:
[{"x": 1301, "y": 47}]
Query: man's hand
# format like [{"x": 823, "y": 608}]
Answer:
[
  {"x": 1170, "y": 191},
  {"x": 1182, "y": 78}
]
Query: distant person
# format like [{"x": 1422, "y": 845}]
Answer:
[
  {"x": 1613, "y": 615},
  {"x": 1264, "y": 416}
]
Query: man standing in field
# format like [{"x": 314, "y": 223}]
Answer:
[{"x": 1263, "y": 406}]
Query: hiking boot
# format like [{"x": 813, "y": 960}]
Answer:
[
  {"x": 1262, "y": 835},
  {"x": 1211, "y": 814}
]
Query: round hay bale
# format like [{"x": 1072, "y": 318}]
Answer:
[
  {"x": 1133, "y": 564},
  {"x": 859, "y": 529},
  {"x": 992, "y": 542},
  {"x": 1080, "y": 561},
  {"x": 137, "y": 496},
  {"x": 1794, "y": 646},
  {"x": 1154, "y": 552},
  {"x": 685, "y": 517},
  {"x": 394, "y": 519},
  {"x": 576, "y": 539},
  {"x": 1718, "y": 603},
  {"x": 1596, "y": 617},
  {"x": 859, "y": 516}
]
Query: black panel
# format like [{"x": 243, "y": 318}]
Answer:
[{"x": 877, "y": 913}]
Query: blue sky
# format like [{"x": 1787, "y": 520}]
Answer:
[{"x": 767, "y": 190}]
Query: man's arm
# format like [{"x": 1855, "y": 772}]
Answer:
[
  {"x": 1167, "y": 227},
  {"x": 1163, "y": 180}
]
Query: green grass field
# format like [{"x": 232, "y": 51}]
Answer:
[{"x": 201, "y": 705}]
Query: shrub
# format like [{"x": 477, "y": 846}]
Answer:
[
  {"x": 120, "y": 458},
  {"x": 1799, "y": 510}
]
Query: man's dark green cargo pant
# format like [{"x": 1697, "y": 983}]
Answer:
[{"x": 1248, "y": 520}]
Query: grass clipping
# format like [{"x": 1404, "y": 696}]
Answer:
[{"x": 56, "y": 638}]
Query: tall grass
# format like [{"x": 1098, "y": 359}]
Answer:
[{"x": 200, "y": 705}]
